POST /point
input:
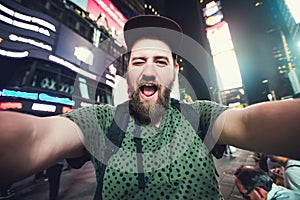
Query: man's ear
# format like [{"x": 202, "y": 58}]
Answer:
[
  {"x": 176, "y": 67},
  {"x": 262, "y": 193}
]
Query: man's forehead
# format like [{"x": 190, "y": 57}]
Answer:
[
  {"x": 148, "y": 44},
  {"x": 154, "y": 50}
]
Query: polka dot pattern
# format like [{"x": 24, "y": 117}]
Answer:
[{"x": 180, "y": 168}]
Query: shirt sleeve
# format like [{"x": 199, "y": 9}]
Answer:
[
  {"x": 93, "y": 122},
  {"x": 292, "y": 175},
  {"x": 209, "y": 112}
]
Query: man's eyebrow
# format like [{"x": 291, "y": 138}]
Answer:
[
  {"x": 162, "y": 57},
  {"x": 138, "y": 58}
]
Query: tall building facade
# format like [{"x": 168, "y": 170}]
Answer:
[
  {"x": 130, "y": 8},
  {"x": 224, "y": 56},
  {"x": 261, "y": 33},
  {"x": 290, "y": 33},
  {"x": 284, "y": 32}
]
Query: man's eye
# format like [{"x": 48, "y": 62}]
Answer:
[
  {"x": 162, "y": 63},
  {"x": 138, "y": 63}
]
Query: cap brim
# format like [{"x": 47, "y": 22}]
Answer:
[{"x": 151, "y": 26}]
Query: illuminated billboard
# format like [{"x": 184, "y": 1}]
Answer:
[
  {"x": 106, "y": 14},
  {"x": 212, "y": 13},
  {"x": 82, "y": 3},
  {"x": 25, "y": 33},
  {"x": 233, "y": 96},
  {"x": 294, "y": 6},
  {"x": 224, "y": 57},
  {"x": 77, "y": 50},
  {"x": 222, "y": 49}
]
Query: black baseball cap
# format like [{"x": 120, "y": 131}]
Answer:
[{"x": 155, "y": 27}]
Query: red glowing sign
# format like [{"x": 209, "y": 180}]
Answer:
[
  {"x": 10, "y": 105},
  {"x": 66, "y": 109},
  {"x": 106, "y": 14}
]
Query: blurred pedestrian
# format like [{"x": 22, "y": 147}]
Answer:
[
  {"x": 291, "y": 172},
  {"x": 54, "y": 174},
  {"x": 255, "y": 184}
]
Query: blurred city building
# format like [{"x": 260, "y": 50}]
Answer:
[
  {"x": 282, "y": 29},
  {"x": 289, "y": 18},
  {"x": 58, "y": 55},
  {"x": 222, "y": 49},
  {"x": 266, "y": 34},
  {"x": 130, "y": 8}
]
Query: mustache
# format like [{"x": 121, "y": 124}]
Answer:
[{"x": 144, "y": 83}]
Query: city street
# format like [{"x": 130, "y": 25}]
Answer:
[{"x": 80, "y": 184}]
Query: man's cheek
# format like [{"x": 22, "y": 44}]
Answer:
[{"x": 167, "y": 78}]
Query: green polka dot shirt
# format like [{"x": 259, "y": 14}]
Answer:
[{"x": 175, "y": 162}]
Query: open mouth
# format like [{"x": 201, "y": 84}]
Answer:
[{"x": 149, "y": 89}]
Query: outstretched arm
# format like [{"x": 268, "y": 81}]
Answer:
[
  {"x": 29, "y": 144},
  {"x": 271, "y": 127}
]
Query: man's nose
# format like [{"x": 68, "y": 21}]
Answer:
[{"x": 149, "y": 69}]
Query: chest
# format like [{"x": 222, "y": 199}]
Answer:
[{"x": 172, "y": 164}]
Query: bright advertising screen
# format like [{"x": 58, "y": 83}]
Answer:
[
  {"x": 106, "y": 14},
  {"x": 226, "y": 64},
  {"x": 294, "y": 6}
]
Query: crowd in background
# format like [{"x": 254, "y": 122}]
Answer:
[{"x": 274, "y": 177}]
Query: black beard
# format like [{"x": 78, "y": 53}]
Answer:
[{"x": 148, "y": 112}]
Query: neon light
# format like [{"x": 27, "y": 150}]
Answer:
[
  {"x": 30, "y": 41},
  {"x": 213, "y": 20},
  {"x": 10, "y": 105},
  {"x": 28, "y": 18},
  {"x": 85, "y": 104},
  {"x": 110, "y": 77},
  {"x": 72, "y": 67},
  {"x": 6, "y": 10},
  {"x": 44, "y": 23},
  {"x": 36, "y": 96},
  {"x": 22, "y": 16},
  {"x": 83, "y": 88},
  {"x": 43, "y": 107},
  {"x": 6, "y": 19},
  {"x": 24, "y": 25},
  {"x": 45, "y": 97},
  {"x": 211, "y": 8},
  {"x": 14, "y": 54},
  {"x": 30, "y": 27},
  {"x": 25, "y": 95},
  {"x": 111, "y": 84}
]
